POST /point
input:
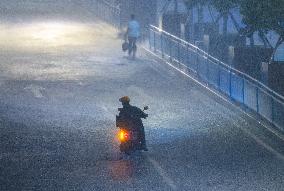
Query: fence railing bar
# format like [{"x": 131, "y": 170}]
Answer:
[
  {"x": 209, "y": 70},
  {"x": 202, "y": 52}
]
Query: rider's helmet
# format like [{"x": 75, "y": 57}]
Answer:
[{"x": 124, "y": 99}]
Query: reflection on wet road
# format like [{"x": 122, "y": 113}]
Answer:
[{"x": 46, "y": 36}]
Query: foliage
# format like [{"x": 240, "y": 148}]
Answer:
[
  {"x": 263, "y": 15},
  {"x": 192, "y": 3},
  {"x": 258, "y": 15},
  {"x": 224, "y": 6}
]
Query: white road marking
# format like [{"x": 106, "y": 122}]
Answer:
[
  {"x": 162, "y": 173},
  {"x": 36, "y": 90},
  {"x": 279, "y": 155}
]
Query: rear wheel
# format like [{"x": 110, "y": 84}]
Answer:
[{"x": 125, "y": 147}]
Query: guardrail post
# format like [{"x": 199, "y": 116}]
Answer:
[
  {"x": 150, "y": 44},
  {"x": 272, "y": 110},
  {"x": 170, "y": 50},
  {"x": 207, "y": 70},
  {"x": 243, "y": 91},
  {"x": 197, "y": 63},
  {"x": 257, "y": 99},
  {"x": 162, "y": 49},
  {"x": 187, "y": 57},
  {"x": 219, "y": 77},
  {"x": 155, "y": 42},
  {"x": 178, "y": 56},
  {"x": 230, "y": 82}
]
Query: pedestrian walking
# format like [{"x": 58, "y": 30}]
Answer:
[{"x": 132, "y": 34}]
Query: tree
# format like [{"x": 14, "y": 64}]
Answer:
[
  {"x": 263, "y": 16},
  {"x": 190, "y": 4},
  {"x": 196, "y": 3},
  {"x": 224, "y": 7}
]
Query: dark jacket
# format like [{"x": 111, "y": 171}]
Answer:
[{"x": 133, "y": 116}]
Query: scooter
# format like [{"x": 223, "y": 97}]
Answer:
[{"x": 129, "y": 138}]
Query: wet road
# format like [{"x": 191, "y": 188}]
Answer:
[{"x": 60, "y": 79}]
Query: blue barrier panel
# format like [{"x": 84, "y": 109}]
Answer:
[
  {"x": 237, "y": 86},
  {"x": 278, "y": 113},
  {"x": 265, "y": 105},
  {"x": 213, "y": 74},
  {"x": 183, "y": 55},
  {"x": 158, "y": 42},
  {"x": 162, "y": 41},
  {"x": 191, "y": 60},
  {"x": 250, "y": 95},
  {"x": 225, "y": 80},
  {"x": 196, "y": 59},
  {"x": 202, "y": 68},
  {"x": 175, "y": 51},
  {"x": 171, "y": 47},
  {"x": 166, "y": 46}
]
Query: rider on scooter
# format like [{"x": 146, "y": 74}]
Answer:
[{"x": 134, "y": 115}]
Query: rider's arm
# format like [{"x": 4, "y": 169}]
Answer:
[
  {"x": 142, "y": 114},
  {"x": 145, "y": 115}
]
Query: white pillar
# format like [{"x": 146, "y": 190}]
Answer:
[
  {"x": 264, "y": 72},
  {"x": 231, "y": 55},
  {"x": 182, "y": 30},
  {"x": 206, "y": 41},
  {"x": 160, "y": 21}
]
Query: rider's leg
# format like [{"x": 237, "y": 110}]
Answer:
[
  {"x": 130, "y": 48},
  {"x": 134, "y": 47}
]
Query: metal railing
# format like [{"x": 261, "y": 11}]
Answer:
[
  {"x": 107, "y": 12},
  {"x": 236, "y": 85}
]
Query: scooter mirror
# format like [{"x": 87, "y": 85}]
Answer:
[{"x": 146, "y": 108}]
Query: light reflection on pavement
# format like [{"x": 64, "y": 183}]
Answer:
[{"x": 46, "y": 36}]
